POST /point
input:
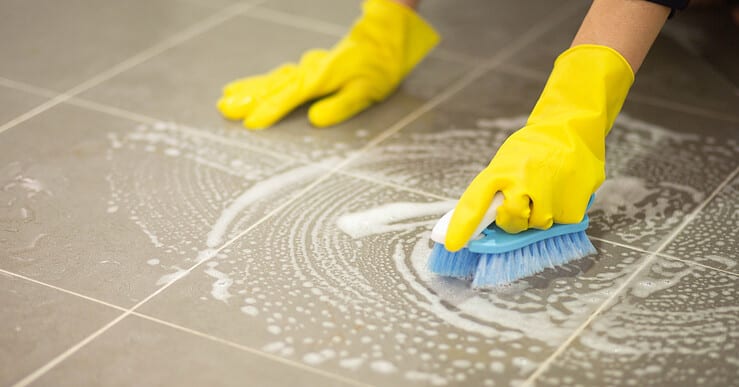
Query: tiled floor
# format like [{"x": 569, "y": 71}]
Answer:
[{"x": 146, "y": 241}]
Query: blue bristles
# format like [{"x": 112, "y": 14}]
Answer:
[
  {"x": 495, "y": 269},
  {"x": 496, "y": 257},
  {"x": 460, "y": 264}
]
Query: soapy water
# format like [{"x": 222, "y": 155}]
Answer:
[
  {"x": 345, "y": 284},
  {"x": 22, "y": 192},
  {"x": 677, "y": 325}
]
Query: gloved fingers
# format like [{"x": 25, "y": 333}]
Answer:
[
  {"x": 273, "y": 107},
  {"x": 470, "y": 210},
  {"x": 351, "y": 99},
  {"x": 259, "y": 82},
  {"x": 242, "y": 96},
  {"x": 513, "y": 215},
  {"x": 235, "y": 107},
  {"x": 541, "y": 216}
]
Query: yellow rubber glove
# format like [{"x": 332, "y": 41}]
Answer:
[
  {"x": 548, "y": 169},
  {"x": 383, "y": 46}
]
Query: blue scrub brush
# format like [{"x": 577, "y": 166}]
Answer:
[{"x": 495, "y": 257}]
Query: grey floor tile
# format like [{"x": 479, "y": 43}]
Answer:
[
  {"x": 220, "y": 4},
  {"x": 660, "y": 164},
  {"x": 142, "y": 353},
  {"x": 15, "y": 102},
  {"x": 673, "y": 70},
  {"x": 184, "y": 84},
  {"x": 112, "y": 208},
  {"x": 81, "y": 38},
  {"x": 473, "y": 28},
  {"x": 340, "y": 13},
  {"x": 39, "y": 323},
  {"x": 676, "y": 326},
  {"x": 337, "y": 280},
  {"x": 711, "y": 238}
]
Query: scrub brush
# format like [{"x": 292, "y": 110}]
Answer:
[{"x": 495, "y": 257}]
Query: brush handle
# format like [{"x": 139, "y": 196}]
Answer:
[{"x": 438, "y": 233}]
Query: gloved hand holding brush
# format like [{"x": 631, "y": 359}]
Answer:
[
  {"x": 383, "y": 46},
  {"x": 548, "y": 169}
]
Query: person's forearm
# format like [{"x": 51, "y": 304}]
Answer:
[{"x": 628, "y": 26}]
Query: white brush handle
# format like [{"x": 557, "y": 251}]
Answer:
[{"x": 438, "y": 233}]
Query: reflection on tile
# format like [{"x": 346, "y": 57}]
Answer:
[
  {"x": 184, "y": 84},
  {"x": 112, "y": 209},
  {"x": 337, "y": 280},
  {"x": 81, "y": 38},
  {"x": 676, "y": 326},
  {"x": 15, "y": 102},
  {"x": 660, "y": 164},
  {"x": 691, "y": 80},
  {"x": 711, "y": 238},
  {"x": 39, "y": 323},
  {"x": 160, "y": 355}
]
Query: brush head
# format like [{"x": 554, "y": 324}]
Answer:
[
  {"x": 459, "y": 264},
  {"x": 494, "y": 269}
]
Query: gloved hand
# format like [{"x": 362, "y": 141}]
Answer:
[
  {"x": 548, "y": 169},
  {"x": 384, "y": 45}
]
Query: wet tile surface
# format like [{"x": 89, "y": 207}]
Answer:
[
  {"x": 711, "y": 238},
  {"x": 184, "y": 84},
  {"x": 161, "y": 356},
  {"x": 88, "y": 36},
  {"x": 39, "y": 323},
  {"x": 337, "y": 280},
  {"x": 660, "y": 164},
  {"x": 677, "y": 326},
  {"x": 113, "y": 208}
]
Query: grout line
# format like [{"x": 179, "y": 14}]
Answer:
[
  {"x": 663, "y": 255},
  {"x": 31, "y": 89},
  {"x": 174, "y": 40},
  {"x": 64, "y": 355},
  {"x": 173, "y": 325},
  {"x": 607, "y": 302},
  {"x": 251, "y": 350},
  {"x": 689, "y": 262},
  {"x": 680, "y": 107},
  {"x": 37, "y": 282},
  {"x": 122, "y": 113}
]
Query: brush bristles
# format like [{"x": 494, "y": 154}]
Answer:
[
  {"x": 503, "y": 268},
  {"x": 460, "y": 264}
]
